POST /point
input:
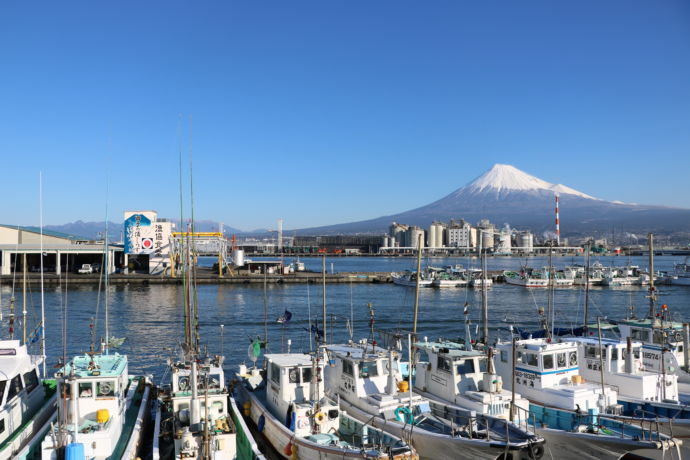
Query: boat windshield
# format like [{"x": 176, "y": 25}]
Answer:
[
  {"x": 368, "y": 369},
  {"x": 3, "y": 384}
]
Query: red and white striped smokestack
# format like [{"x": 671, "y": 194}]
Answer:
[{"x": 558, "y": 225}]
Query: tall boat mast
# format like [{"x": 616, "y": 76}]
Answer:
[
  {"x": 485, "y": 298},
  {"x": 416, "y": 288},
  {"x": 652, "y": 289},
  {"x": 587, "y": 265},
  {"x": 106, "y": 267},
  {"x": 43, "y": 314},
  {"x": 323, "y": 280}
]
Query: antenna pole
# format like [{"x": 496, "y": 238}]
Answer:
[
  {"x": 106, "y": 267},
  {"x": 652, "y": 289},
  {"x": 24, "y": 301},
  {"x": 587, "y": 266},
  {"x": 323, "y": 279},
  {"x": 485, "y": 300},
  {"x": 43, "y": 313},
  {"x": 416, "y": 289}
]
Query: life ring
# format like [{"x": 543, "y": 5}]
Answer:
[
  {"x": 573, "y": 359},
  {"x": 319, "y": 418},
  {"x": 678, "y": 336},
  {"x": 404, "y": 414}
]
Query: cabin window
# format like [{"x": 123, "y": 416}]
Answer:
[
  {"x": 348, "y": 368},
  {"x": 519, "y": 356},
  {"x": 639, "y": 334},
  {"x": 560, "y": 359},
  {"x": 591, "y": 352},
  {"x": 368, "y": 369},
  {"x": 466, "y": 366},
  {"x": 443, "y": 364},
  {"x": 105, "y": 388},
  {"x": 214, "y": 382},
  {"x": 636, "y": 352},
  {"x": 15, "y": 387},
  {"x": 548, "y": 361},
  {"x": 572, "y": 358},
  {"x": 293, "y": 375},
  {"x": 504, "y": 356},
  {"x": 614, "y": 354},
  {"x": 3, "y": 384},
  {"x": 306, "y": 374},
  {"x": 31, "y": 380},
  {"x": 183, "y": 383},
  {"x": 483, "y": 365},
  {"x": 275, "y": 373},
  {"x": 531, "y": 359},
  {"x": 680, "y": 348},
  {"x": 659, "y": 337},
  {"x": 85, "y": 390},
  {"x": 2, "y": 426}
]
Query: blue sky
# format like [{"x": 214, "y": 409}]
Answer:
[{"x": 328, "y": 112}]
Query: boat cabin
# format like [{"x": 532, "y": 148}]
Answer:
[
  {"x": 210, "y": 385},
  {"x": 295, "y": 395},
  {"x": 446, "y": 370},
  {"x": 21, "y": 392},
  {"x": 91, "y": 400},
  {"x": 655, "y": 336},
  {"x": 370, "y": 378},
  {"x": 549, "y": 373},
  {"x": 624, "y": 370}
]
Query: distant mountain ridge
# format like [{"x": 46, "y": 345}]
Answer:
[
  {"x": 505, "y": 194},
  {"x": 96, "y": 230}
]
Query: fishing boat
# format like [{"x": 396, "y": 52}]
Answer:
[
  {"x": 368, "y": 381},
  {"x": 578, "y": 419},
  {"x": 409, "y": 279},
  {"x": 630, "y": 275},
  {"x": 642, "y": 394},
  {"x": 447, "y": 277},
  {"x": 477, "y": 280},
  {"x": 578, "y": 273},
  {"x": 681, "y": 274},
  {"x": 101, "y": 409},
  {"x": 27, "y": 399},
  {"x": 193, "y": 411},
  {"x": 286, "y": 402},
  {"x": 560, "y": 278},
  {"x": 28, "y": 404},
  {"x": 527, "y": 277}
]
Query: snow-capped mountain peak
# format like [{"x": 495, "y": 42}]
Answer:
[{"x": 507, "y": 178}]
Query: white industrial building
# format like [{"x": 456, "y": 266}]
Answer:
[
  {"x": 22, "y": 246},
  {"x": 461, "y": 235}
]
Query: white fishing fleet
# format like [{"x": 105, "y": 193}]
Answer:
[
  {"x": 368, "y": 380},
  {"x": 578, "y": 419},
  {"x": 289, "y": 407}
]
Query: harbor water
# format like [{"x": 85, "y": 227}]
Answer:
[{"x": 149, "y": 317}]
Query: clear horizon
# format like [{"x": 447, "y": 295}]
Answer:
[{"x": 325, "y": 113}]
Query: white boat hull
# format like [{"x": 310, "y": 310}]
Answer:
[
  {"x": 432, "y": 446},
  {"x": 567, "y": 445},
  {"x": 285, "y": 442}
]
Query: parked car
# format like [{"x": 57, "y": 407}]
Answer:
[
  {"x": 85, "y": 269},
  {"x": 96, "y": 267}
]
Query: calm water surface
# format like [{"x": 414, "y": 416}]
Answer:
[{"x": 150, "y": 317}]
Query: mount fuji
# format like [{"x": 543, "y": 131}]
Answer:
[{"x": 505, "y": 194}]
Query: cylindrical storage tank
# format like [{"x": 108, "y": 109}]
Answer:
[
  {"x": 386, "y": 242},
  {"x": 487, "y": 240},
  {"x": 392, "y": 242},
  {"x": 237, "y": 257},
  {"x": 432, "y": 236},
  {"x": 439, "y": 236}
]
